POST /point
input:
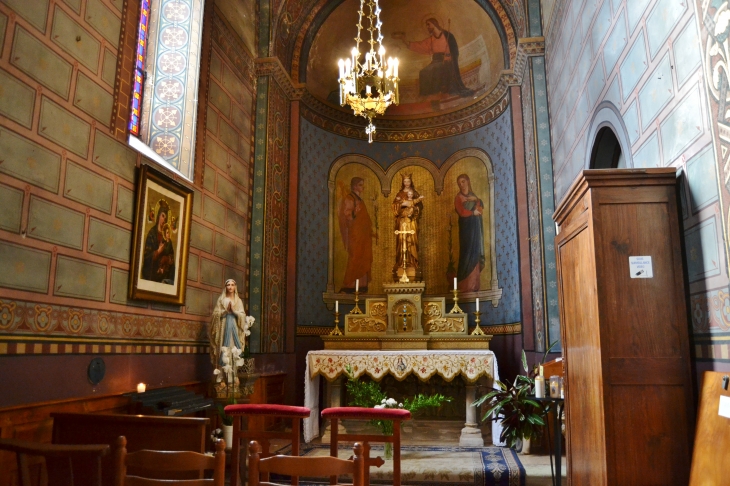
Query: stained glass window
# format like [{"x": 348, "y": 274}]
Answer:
[
  {"x": 144, "y": 20},
  {"x": 164, "y": 107}
]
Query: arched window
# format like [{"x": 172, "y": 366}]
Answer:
[
  {"x": 162, "y": 119},
  {"x": 606, "y": 152}
]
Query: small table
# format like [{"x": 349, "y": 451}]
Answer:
[
  {"x": 470, "y": 364},
  {"x": 558, "y": 404}
]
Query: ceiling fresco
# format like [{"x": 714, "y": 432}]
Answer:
[
  {"x": 428, "y": 37},
  {"x": 309, "y": 36}
]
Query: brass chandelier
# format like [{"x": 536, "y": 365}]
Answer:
[{"x": 372, "y": 86}]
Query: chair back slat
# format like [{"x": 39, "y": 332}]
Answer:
[
  {"x": 168, "y": 462},
  {"x": 138, "y": 481},
  {"x": 305, "y": 466}
]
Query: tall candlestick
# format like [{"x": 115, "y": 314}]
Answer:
[
  {"x": 357, "y": 285},
  {"x": 454, "y": 283},
  {"x": 477, "y": 303}
]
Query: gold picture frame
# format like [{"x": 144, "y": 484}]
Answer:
[{"x": 161, "y": 242}]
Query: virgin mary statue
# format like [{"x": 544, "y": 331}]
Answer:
[{"x": 229, "y": 325}]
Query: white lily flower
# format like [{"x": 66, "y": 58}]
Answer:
[
  {"x": 400, "y": 405},
  {"x": 384, "y": 400},
  {"x": 391, "y": 402},
  {"x": 250, "y": 320},
  {"x": 216, "y": 371},
  {"x": 239, "y": 362},
  {"x": 379, "y": 406}
]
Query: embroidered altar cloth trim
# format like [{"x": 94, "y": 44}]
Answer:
[{"x": 330, "y": 363}]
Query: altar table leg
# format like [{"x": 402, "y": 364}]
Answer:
[
  {"x": 335, "y": 400},
  {"x": 471, "y": 436}
]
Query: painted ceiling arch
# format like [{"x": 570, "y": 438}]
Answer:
[{"x": 310, "y": 35}]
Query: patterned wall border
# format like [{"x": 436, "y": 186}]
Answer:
[
  {"x": 714, "y": 30},
  {"x": 546, "y": 199},
  {"x": 22, "y": 318},
  {"x": 276, "y": 222},
  {"x": 496, "y": 330},
  {"x": 715, "y": 350},
  {"x": 258, "y": 211},
  {"x": 346, "y": 125},
  {"x": 61, "y": 348}
]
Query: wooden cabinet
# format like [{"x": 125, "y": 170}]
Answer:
[{"x": 628, "y": 382}]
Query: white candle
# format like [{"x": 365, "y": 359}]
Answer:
[
  {"x": 337, "y": 306},
  {"x": 141, "y": 388},
  {"x": 357, "y": 285},
  {"x": 454, "y": 283},
  {"x": 477, "y": 304}
]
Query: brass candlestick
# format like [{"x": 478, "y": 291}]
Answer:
[
  {"x": 477, "y": 330},
  {"x": 456, "y": 309},
  {"x": 356, "y": 309},
  {"x": 336, "y": 331}
]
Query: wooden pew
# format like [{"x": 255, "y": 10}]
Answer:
[{"x": 142, "y": 432}]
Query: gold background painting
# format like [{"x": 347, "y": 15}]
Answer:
[
  {"x": 150, "y": 220},
  {"x": 481, "y": 59},
  {"x": 438, "y": 225}
]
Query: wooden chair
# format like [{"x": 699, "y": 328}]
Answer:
[
  {"x": 296, "y": 414},
  {"x": 360, "y": 413},
  {"x": 168, "y": 462},
  {"x": 59, "y": 461},
  {"x": 304, "y": 466}
]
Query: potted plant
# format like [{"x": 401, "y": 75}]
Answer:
[
  {"x": 227, "y": 422},
  {"x": 370, "y": 395},
  {"x": 521, "y": 415}
]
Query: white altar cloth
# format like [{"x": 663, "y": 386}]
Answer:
[{"x": 471, "y": 364}]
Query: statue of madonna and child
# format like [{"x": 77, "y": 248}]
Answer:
[{"x": 227, "y": 333}]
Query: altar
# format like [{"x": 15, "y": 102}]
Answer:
[{"x": 471, "y": 365}]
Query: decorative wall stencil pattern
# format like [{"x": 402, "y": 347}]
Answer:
[
  {"x": 546, "y": 200},
  {"x": 256, "y": 279},
  {"x": 276, "y": 221},
  {"x": 30, "y": 319},
  {"x": 319, "y": 149},
  {"x": 533, "y": 211},
  {"x": 65, "y": 235},
  {"x": 62, "y": 347},
  {"x": 716, "y": 49}
]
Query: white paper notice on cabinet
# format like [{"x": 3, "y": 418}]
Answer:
[
  {"x": 640, "y": 267},
  {"x": 724, "y": 406}
]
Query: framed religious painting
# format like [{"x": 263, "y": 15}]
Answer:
[{"x": 161, "y": 238}]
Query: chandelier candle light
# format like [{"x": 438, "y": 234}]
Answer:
[{"x": 371, "y": 86}]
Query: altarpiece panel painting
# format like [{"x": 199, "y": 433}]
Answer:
[{"x": 437, "y": 223}]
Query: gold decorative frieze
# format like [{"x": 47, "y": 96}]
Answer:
[{"x": 366, "y": 324}]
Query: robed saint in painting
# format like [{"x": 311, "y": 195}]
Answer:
[{"x": 356, "y": 231}]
